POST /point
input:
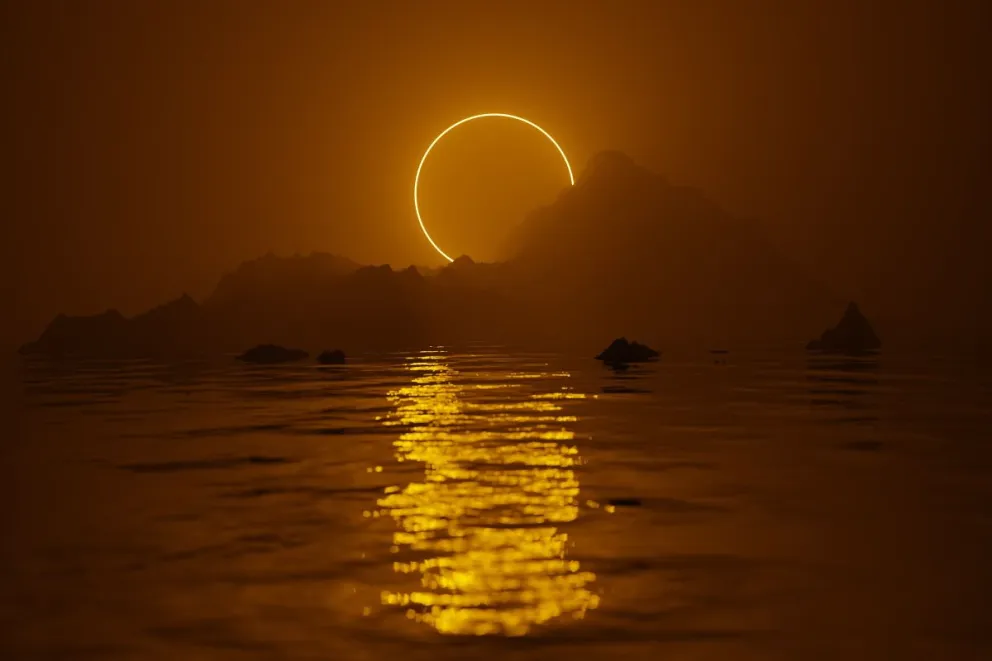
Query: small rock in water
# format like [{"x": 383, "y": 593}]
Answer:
[
  {"x": 271, "y": 354},
  {"x": 853, "y": 335},
  {"x": 622, "y": 351},
  {"x": 624, "y": 502},
  {"x": 335, "y": 357},
  {"x": 862, "y": 446}
]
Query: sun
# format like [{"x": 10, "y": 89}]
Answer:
[{"x": 423, "y": 159}]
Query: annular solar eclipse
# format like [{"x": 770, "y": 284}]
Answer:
[{"x": 423, "y": 159}]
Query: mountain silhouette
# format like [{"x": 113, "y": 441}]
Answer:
[
  {"x": 271, "y": 277},
  {"x": 660, "y": 261},
  {"x": 622, "y": 252},
  {"x": 105, "y": 334}
]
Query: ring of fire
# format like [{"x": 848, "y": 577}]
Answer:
[{"x": 423, "y": 159}]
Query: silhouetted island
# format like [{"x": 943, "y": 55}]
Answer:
[
  {"x": 271, "y": 354},
  {"x": 622, "y": 351},
  {"x": 623, "y": 247},
  {"x": 852, "y": 335},
  {"x": 332, "y": 357}
]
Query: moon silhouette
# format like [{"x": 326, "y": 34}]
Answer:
[{"x": 423, "y": 159}]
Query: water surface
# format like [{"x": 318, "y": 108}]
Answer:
[{"x": 480, "y": 504}]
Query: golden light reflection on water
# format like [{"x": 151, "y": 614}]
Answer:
[{"x": 482, "y": 529}]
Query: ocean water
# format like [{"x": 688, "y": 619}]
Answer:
[{"x": 491, "y": 505}]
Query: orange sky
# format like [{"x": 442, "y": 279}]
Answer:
[{"x": 153, "y": 145}]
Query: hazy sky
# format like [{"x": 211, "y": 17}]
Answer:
[{"x": 152, "y": 145}]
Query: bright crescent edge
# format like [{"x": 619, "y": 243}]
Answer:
[{"x": 423, "y": 159}]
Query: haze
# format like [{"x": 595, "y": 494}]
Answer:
[{"x": 153, "y": 146}]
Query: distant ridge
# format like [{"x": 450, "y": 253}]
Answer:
[{"x": 621, "y": 252}]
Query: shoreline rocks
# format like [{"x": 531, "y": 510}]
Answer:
[
  {"x": 271, "y": 354},
  {"x": 331, "y": 357}
]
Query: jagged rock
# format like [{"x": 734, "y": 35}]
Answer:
[
  {"x": 622, "y": 351},
  {"x": 271, "y": 354},
  {"x": 852, "y": 335},
  {"x": 334, "y": 357}
]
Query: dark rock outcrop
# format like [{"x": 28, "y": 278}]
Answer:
[
  {"x": 853, "y": 335},
  {"x": 622, "y": 351},
  {"x": 624, "y": 502},
  {"x": 332, "y": 357},
  {"x": 95, "y": 335},
  {"x": 175, "y": 329},
  {"x": 271, "y": 354}
]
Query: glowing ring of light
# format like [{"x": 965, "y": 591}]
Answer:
[{"x": 416, "y": 179}]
